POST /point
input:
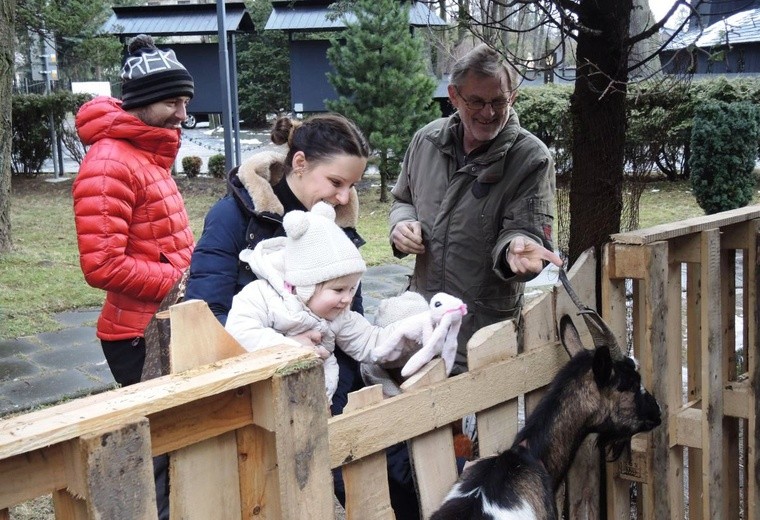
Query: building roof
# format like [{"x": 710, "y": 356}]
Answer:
[
  {"x": 289, "y": 15},
  {"x": 176, "y": 20},
  {"x": 741, "y": 27}
]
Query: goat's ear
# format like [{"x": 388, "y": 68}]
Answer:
[
  {"x": 602, "y": 366},
  {"x": 569, "y": 336}
]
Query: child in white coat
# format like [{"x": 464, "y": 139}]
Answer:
[{"x": 306, "y": 282}]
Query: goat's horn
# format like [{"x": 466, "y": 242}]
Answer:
[{"x": 600, "y": 332}]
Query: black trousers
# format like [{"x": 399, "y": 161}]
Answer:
[{"x": 125, "y": 359}]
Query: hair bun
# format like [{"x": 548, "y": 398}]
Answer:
[{"x": 295, "y": 224}]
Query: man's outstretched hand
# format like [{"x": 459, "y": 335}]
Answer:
[{"x": 525, "y": 256}]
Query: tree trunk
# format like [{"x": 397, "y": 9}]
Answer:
[
  {"x": 383, "y": 170},
  {"x": 598, "y": 112},
  {"x": 7, "y": 15}
]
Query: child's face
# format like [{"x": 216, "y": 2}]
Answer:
[{"x": 334, "y": 296}]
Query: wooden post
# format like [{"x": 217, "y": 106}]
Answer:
[
  {"x": 432, "y": 454},
  {"x": 110, "y": 475},
  {"x": 659, "y": 354},
  {"x": 197, "y": 338},
  {"x": 712, "y": 378},
  {"x": 366, "y": 480},
  {"x": 730, "y": 458},
  {"x": 497, "y": 426},
  {"x": 614, "y": 311},
  {"x": 752, "y": 353},
  {"x": 303, "y": 453}
]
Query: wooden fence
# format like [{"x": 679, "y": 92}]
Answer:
[{"x": 249, "y": 435}]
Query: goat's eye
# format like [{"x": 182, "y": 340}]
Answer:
[{"x": 437, "y": 304}]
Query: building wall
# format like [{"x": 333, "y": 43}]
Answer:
[{"x": 308, "y": 75}]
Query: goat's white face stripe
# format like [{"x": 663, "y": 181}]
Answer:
[{"x": 524, "y": 512}]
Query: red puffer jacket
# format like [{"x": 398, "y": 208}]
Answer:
[{"x": 133, "y": 231}]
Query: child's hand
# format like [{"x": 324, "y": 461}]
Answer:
[
  {"x": 322, "y": 352},
  {"x": 311, "y": 338}
]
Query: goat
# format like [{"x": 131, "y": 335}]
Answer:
[{"x": 598, "y": 391}]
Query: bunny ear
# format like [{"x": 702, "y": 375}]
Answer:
[
  {"x": 600, "y": 332},
  {"x": 418, "y": 360},
  {"x": 295, "y": 223}
]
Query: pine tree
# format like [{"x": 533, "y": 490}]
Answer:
[{"x": 382, "y": 81}]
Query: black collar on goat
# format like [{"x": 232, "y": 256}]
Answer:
[{"x": 598, "y": 391}]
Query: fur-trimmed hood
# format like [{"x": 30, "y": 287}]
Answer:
[{"x": 261, "y": 171}]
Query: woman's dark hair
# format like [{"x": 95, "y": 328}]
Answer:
[{"x": 319, "y": 137}]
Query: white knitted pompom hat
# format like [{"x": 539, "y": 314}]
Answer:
[{"x": 317, "y": 250}]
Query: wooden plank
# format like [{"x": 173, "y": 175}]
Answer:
[
  {"x": 197, "y": 337},
  {"x": 355, "y": 435},
  {"x": 200, "y": 420},
  {"x": 113, "y": 471},
  {"x": 432, "y": 453},
  {"x": 257, "y": 467},
  {"x": 30, "y": 475},
  {"x": 42, "y": 428},
  {"x": 497, "y": 426},
  {"x": 712, "y": 378},
  {"x": 730, "y": 458},
  {"x": 626, "y": 261},
  {"x": 736, "y": 400},
  {"x": 204, "y": 473},
  {"x": 685, "y": 249},
  {"x": 653, "y": 336},
  {"x": 637, "y": 467},
  {"x": 366, "y": 480},
  {"x": 200, "y": 488},
  {"x": 752, "y": 354},
  {"x": 69, "y": 507},
  {"x": 687, "y": 227},
  {"x": 694, "y": 380},
  {"x": 303, "y": 452},
  {"x": 671, "y": 372},
  {"x": 614, "y": 312},
  {"x": 583, "y": 480},
  {"x": 686, "y": 429}
]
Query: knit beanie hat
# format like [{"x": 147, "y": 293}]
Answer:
[
  {"x": 317, "y": 250},
  {"x": 151, "y": 74}
]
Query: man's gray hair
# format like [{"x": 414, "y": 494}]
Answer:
[{"x": 484, "y": 61}]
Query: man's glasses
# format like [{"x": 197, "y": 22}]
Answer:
[{"x": 497, "y": 105}]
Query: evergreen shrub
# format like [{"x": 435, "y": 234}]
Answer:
[
  {"x": 216, "y": 166},
  {"x": 191, "y": 165},
  {"x": 724, "y": 143},
  {"x": 31, "y": 143}
]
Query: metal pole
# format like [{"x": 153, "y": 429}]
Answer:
[
  {"x": 235, "y": 105},
  {"x": 224, "y": 81},
  {"x": 53, "y": 136}
]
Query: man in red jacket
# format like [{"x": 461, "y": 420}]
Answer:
[{"x": 133, "y": 232}]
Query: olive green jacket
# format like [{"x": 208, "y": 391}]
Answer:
[{"x": 470, "y": 215}]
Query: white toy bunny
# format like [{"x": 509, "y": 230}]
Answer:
[{"x": 435, "y": 330}]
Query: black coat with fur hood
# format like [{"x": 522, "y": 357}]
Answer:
[{"x": 257, "y": 198}]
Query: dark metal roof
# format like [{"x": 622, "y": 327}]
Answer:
[
  {"x": 741, "y": 27},
  {"x": 176, "y": 20},
  {"x": 313, "y": 16}
]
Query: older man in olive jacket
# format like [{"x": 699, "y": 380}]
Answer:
[{"x": 475, "y": 199}]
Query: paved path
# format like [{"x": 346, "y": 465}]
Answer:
[{"x": 50, "y": 367}]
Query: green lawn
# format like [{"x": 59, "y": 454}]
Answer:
[{"x": 41, "y": 276}]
